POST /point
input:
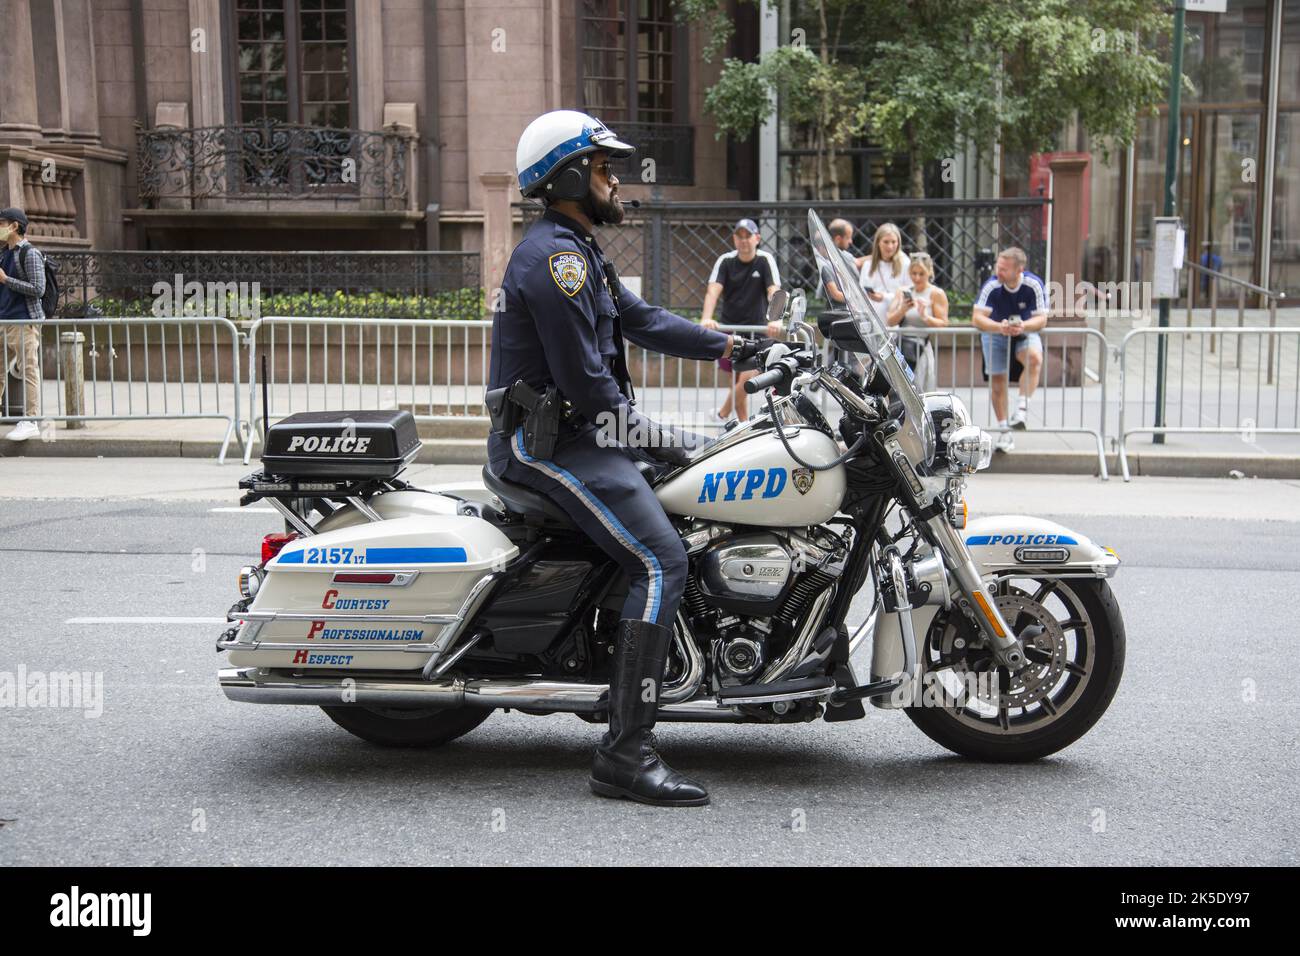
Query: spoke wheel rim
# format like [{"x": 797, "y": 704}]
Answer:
[{"x": 964, "y": 681}]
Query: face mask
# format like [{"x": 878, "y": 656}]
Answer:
[{"x": 4, "y": 233}]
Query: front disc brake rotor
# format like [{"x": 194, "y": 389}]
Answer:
[{"x": 1046, "y": 645}]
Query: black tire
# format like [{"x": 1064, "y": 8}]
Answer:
[
  {"x": 942, "y": 726},
  {"x": 394, "y": 727}
]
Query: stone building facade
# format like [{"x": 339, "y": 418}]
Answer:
[{"x": 328, "y": 124}]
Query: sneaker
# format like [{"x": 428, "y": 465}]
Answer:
[
  {"x": 23, "y": 431},
  {"x": 1018, "y": 419},
  {"x": 1005, "y": 442}
]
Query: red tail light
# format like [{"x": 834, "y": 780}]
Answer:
[
  {"x": 372, "y": 578},
  {"x": 272, "y": 544}
]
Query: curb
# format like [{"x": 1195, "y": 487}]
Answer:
[
  {"x": 468, "y": 451},
  {"x": 1166, "y": 465}
]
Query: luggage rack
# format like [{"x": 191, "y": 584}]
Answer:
[{"x": 283, "y": 491}]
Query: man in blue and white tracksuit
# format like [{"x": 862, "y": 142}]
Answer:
[
  {"x": 561, "y": 321},
  {"x": 1010, "y": 310}
]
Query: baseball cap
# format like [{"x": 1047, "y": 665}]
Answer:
[
  {"x": 14, "y": 214},
  {"x": 748, "y": 225}
]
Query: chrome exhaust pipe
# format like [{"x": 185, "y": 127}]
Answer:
[
  {"x": 250, "y": 685},
  {"x": 254, "y": 685}
]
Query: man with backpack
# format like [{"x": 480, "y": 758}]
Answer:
[{"x": 22, "y": 287}]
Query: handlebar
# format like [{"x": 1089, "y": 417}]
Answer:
[{"x": 773, "y": 376}]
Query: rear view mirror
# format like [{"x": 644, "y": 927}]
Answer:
[{"x": 776, "y": 307}]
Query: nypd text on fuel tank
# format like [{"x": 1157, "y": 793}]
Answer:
[{"x": 771, "y": 481}]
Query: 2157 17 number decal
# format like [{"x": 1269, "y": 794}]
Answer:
[{"x": 335, "y": 556}]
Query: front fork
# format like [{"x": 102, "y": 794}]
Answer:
[{"x": 972, "y": 598}]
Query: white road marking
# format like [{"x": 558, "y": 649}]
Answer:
[{"x": 146, "y": 620}]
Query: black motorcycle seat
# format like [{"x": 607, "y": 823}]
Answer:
[{"x": 525, "y": 501}]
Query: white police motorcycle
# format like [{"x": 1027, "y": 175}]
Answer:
[{"x": 409, "y": 616}]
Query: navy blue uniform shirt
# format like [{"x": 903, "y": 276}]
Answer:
[{"x": 556, "y": 320}]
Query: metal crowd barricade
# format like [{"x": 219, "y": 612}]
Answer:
[
  {"x": 435, "y": 368},
  {"x": 686, "y": 392},
  {"x": 1240, "y": 391},
  {"x": 1071, "y": 398},
  {"x": 113, "y": 369}
]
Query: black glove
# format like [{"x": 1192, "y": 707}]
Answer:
[
  {"x": 745, "y": 350},
  {"x": 664, "y": 445}
]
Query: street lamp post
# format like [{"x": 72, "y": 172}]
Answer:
[{"x": 1172, "y": 152}]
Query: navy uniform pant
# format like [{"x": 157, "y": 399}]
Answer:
[{"x": 604, "y": 493}]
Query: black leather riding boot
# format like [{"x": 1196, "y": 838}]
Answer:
[{"x": 626, "y": 764}]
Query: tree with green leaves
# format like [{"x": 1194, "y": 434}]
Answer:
[{"x": 924, "y": 77}]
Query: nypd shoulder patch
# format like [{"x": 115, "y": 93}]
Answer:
[{"x": 569, "y": 270}]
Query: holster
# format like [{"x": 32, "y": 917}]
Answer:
[{"x": 540, "y": 412}]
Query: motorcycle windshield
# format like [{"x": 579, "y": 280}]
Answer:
[{"x": 833, "y": 264}]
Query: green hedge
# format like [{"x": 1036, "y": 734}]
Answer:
[{"x": 450, "y": 304}]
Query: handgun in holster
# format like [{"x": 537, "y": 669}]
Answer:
[{"x": 541, "y": 413}]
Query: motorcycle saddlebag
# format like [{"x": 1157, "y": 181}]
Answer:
[{"x": 350, "y": 445}]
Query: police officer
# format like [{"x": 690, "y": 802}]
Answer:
[{"x": 561, "y": 323}]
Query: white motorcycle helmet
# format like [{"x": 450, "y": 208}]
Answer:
[{"x": 548, "y": 146}]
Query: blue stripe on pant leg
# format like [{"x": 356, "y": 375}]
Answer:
[{"x": 655, "y": 574}]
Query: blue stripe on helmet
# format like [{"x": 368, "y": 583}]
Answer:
[{"x": 563, "y": 151}]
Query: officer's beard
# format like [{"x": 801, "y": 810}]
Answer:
[{"x": 602, "y": 211}]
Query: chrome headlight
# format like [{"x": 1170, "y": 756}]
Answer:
[
  {"x": 970, "y": 449},
  {"x": 946, "y": 414}
]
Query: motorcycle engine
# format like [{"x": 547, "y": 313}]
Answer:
[{"x": 747, "y": 594}]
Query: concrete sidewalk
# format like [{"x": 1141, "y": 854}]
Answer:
[{"x": 1203, "y": 456}]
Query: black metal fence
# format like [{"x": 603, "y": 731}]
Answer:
[
  {"x": 672, "y": 246},
  {"x": 434, "y": 285}
]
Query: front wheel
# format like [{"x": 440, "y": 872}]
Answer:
[
  {"x": 404, "y": 727},
  {"x": 1074, "y": 638}
]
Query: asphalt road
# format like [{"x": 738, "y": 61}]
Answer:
[{"x": 1195, "y": 763}]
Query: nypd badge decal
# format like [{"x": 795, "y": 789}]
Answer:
[
  {"x": 803, "y": 479},
  {"x": 569, "y": 270}
]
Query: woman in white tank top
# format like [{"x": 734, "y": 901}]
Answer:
[{"x": 922, "y": 305}]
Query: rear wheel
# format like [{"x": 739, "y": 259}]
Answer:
[
  {"x": 404, "y": 727},
  {"x": 1074, "y": 639}
]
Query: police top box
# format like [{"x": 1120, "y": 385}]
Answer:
[{"x": 349, "y": 445}]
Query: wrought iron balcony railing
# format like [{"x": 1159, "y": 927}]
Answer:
[{"x": 276, "y": 161}]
